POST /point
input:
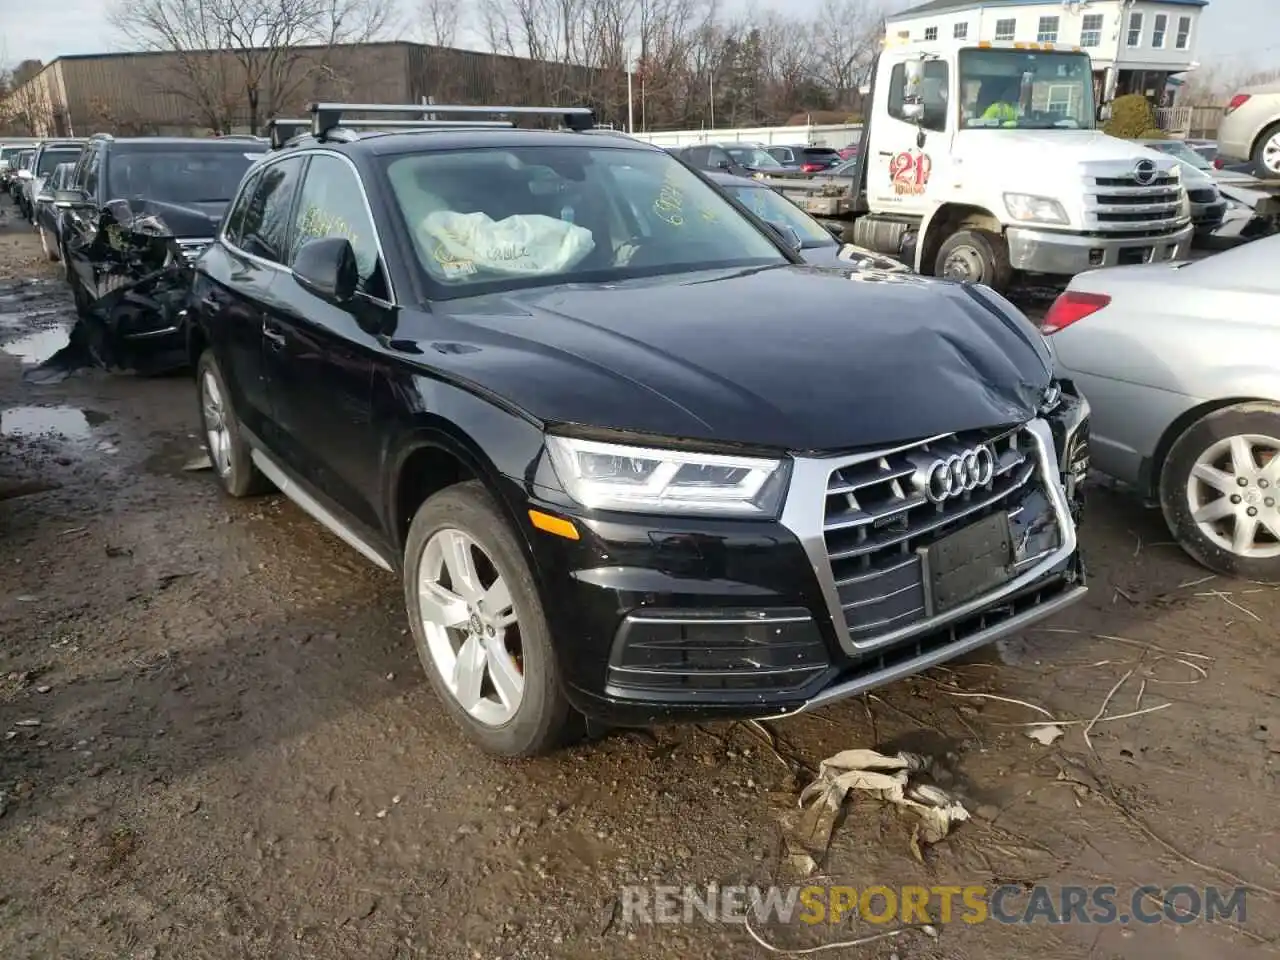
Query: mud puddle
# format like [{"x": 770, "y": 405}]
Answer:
[{"x": 60, "y": 422}]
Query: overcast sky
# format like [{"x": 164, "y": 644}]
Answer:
[{"x": 1237, "y": 34}]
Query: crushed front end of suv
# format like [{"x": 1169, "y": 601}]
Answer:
[
  {"x": 630, "y": 456},
  {"x": 137, "y": 213}
]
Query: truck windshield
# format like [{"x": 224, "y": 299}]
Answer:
[
  {"x": 1026, "y": 90},
  {"x": 490, "y": 219}
]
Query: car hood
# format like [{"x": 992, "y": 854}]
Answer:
[
  {"x": 800, "y": 358},
  {"x": 182, "y": 219}
]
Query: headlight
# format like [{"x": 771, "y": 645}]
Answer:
[
  {"x": 1025, "y": 207},
  {"x": 609, "y": 476}
]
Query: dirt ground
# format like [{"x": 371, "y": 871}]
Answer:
[{"x": 215, "y": 740}]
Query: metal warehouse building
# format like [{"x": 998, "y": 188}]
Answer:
[{"x": 155, "y": 93}]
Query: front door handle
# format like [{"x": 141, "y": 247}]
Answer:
[{"x": 273, "y": 335}]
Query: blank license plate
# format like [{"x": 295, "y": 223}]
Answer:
[{"x": 967, "y": 563}]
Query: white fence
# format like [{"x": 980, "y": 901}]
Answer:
[{"x": 834, "y": 135}]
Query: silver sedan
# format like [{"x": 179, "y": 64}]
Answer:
[{"x": 1178, "y": 362}]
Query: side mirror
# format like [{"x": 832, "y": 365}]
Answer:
[
  {"x": 66, "y": 199},
  {"x": 913, "y": 91},
  {"x": 787, "y": 234},
  {"x": 913, "y": 112},
  {"x": 44, "y": 198},
  {"x": 327, "y": 267},
  {"x": 1104, "y": 112},
  {"x": 119, "y": 211},
  {"x": 24, "y": 174}
]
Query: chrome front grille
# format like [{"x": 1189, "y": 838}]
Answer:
[
  {"x": 877, "y": 515},
  {"x": 1121, "y": 203}
]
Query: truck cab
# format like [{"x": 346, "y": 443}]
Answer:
[{"x": 983, "y": 161}]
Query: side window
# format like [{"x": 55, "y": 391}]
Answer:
[
  {"x": 234, "y": 229},
  {"x": 933, "y": 90},
  {"x": 717, "y": 159},
  {"x": 87, "y": 173},
  {"x": 696, "y": 157},
  {"x": 332, "y": 205},
  {"x": 265, "y": 230}
]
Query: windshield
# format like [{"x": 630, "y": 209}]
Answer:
[
  {"x": 175, "y": 175},
  {"x": 50, "y": 159},
  {"x": 503, "y": 218},
  {"x": 1178, "y": 149},
  {"x": 753, "y": 157},
  {"x": 769, "y": 205},
  {"x": 1026, "y": 89}
]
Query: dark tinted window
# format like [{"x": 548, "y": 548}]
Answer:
[
  {"x": 265, "y": 231},
  {"x": 235, "y": 219},
  {"x": 821, "y": 154},
  {"x": 50, "y": 159},
  {"x": 177, "y": 174}
]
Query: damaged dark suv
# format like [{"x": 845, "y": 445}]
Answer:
[
  {"x": 136, "y": 215},
  {"x": 629, "y": 455}
]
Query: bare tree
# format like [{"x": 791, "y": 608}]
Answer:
[
  {"x": 846, "y": 36},
  {"x": 438, "y": 22},
  {"x": 246, "y": 58}
]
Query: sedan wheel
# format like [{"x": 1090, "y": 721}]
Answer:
[
  {"x": 472, "y": 631},
  {"x": 215, "y": 424},
  {"x": 1220, "y": 491},
  {"x": 1269, "y": 153},
  {"x": 228, "y": 452}
]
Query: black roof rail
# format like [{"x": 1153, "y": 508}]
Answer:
[{"x": 327, "y": 116}]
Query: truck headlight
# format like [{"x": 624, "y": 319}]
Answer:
[
  {"x": 1032, "y": 209},
  {"x": 610, "y": 476}
]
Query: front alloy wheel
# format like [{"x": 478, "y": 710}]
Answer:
[
  {"x": 217, "y": 435},
  {"x": 1220, "y": 491},
  {"x": 472, "y": 631},
  {"x": 479, "y": 627}
]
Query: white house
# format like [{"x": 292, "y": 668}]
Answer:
[{"x": 1136, "y": 45}]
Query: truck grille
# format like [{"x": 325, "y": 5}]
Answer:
[
  {"x": 1121, "y": 203},
  {"x": 877, "y": 515}
]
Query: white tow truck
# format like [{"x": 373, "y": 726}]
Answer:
[{"x": 981, "y": 161}]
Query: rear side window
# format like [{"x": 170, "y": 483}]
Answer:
[
  {"x": 265, "y": 230},
  {"x": 821, "y": 153},
  {"x": 235, "y": 217}
]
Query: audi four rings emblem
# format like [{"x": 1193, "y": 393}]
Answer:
[{"x": 959, "y": 473}]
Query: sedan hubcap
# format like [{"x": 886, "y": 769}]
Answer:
[
  {"x": 1271, "y": 154},
  {"x": 215, "y": 425},
  {"x": 472, "y": 632},
  {"x": 963, "y": 263},
  {"x": 1234, "y": 495}
]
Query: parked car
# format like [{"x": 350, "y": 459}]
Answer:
[
  {"x": 816, "y": 243},
  {"x": 138, "y": 212},
  {"x": 1250, "y": 129},
  {"x": 629, "y": 455},
  {"x": 738, "y": 159},
  {"x": 47, "y": 156},
  {"x": 1178, "y": 363},
  {"x": 49, "y": 217},
  {"x": 1225, "y": 204},
  {"x": 808, "y": 159},
  {"x": 850, "y": 150},
  {"x": 19, "y": 172}
]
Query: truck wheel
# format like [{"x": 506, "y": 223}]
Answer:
[
  {"x": 227, "y": 449},
  {"x": 1220, "y": 491},
  {"x": 1266, "y": 155},
  {"x": 977, "y": 256},
  {"x": 478, "y": 625}
]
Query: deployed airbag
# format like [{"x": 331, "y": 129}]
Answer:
[{"x": 523, "y": 245}]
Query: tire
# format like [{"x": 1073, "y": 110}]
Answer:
[
  {"x": 230, "y": 455},
  {"x": 1266, "y": 153},
  {"x": 978, "y": 256},
  {"x": 50, "y": 253},
  {"x": 1209, "y": 442},
  {"x": 542, "y": 719}
]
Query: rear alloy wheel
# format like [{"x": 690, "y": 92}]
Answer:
[
  {"x": 1220, "y": 491},
  {"x": 975, "y": 256},
  {"x": 479, "y": 627},
  {"x": 50, "y": 252},
  {"x": 228, "y": 452},
  {"x": 1266, "y": 155}
]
